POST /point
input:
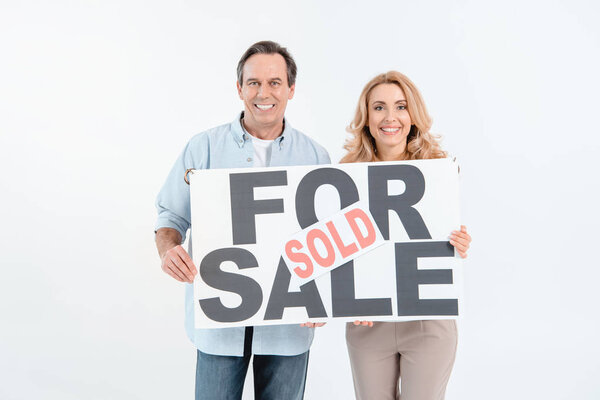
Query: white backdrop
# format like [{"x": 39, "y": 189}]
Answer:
[{"x": 97, "y": 99}]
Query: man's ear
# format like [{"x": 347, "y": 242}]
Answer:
[
  {"x": 239, "y": 89},
  {"x": 292, "y": 91}
]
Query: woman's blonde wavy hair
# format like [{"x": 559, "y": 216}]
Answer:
[{"x": 421, "y": 144}]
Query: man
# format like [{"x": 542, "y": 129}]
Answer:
[{"x": 258, "y": 137}]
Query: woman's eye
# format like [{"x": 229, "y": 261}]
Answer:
[
  {"x": 401, "y": 107},
  {"x": 378, "y": 108}
]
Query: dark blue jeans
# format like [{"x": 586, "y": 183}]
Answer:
[{"x": 275, "y": 377}]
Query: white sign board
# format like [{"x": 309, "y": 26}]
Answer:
[{"x": 256, "y": 232}]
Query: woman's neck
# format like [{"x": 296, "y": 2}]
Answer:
[{"x": 391, "y": 155}]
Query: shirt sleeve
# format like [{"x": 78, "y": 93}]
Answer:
[
  {"x": 322, "y": 155},
  {"x": 173, "y": 200}
]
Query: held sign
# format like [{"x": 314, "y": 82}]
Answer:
[{"x": 311, "y": 243}]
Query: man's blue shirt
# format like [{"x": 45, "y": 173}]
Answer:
[{"x": 228, "y": 146}]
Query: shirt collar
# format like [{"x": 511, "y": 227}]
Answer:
[{"x": 240, "y": 135}]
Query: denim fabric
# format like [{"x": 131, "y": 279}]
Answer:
[
  {"x": 275, "y": 377},
  {"x": 228, "y": 146}
]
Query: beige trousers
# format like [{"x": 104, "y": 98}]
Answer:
[{"x": 418, "y": 353}]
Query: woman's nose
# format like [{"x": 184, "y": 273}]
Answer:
[{"x": 390, "y": 116}]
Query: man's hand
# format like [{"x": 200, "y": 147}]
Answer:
[
  {"x": 313, "y": 324},
  {"x": 364, "y": 323},
  {"x": 461, "y": 241},
  {"x": 175, "y": 261}
]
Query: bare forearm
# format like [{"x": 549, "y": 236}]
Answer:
[
  {"x": 175, "y": 261},
  {"x": 166, "y": 239}
]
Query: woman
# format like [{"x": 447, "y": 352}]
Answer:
[{"x": 392, "y": 123}]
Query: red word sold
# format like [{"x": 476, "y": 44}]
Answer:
[{"x": 302, "y": 249}]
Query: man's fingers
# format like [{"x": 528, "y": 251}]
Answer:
[
  {"x": 185, "y": 257},
  {"x": 313, "y": 324},
  {"x": 177, "y": 275},
  {"x": 173, "y": 265},
  {"x": 180, "y": 274},
  {"x": 175, "y": 258},
  {"x": 178, "y": 264}
]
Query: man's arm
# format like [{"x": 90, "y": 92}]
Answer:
[{"x": 175, "y": 261}]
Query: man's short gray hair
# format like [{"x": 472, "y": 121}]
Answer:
[{"x": 268, "y": 47}]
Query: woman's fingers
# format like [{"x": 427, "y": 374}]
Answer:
[{"x": 461, "y": 240}]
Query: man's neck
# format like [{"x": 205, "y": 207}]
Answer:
[{"x": 263, "y": 132}]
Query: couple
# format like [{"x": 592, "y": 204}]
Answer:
[{"x": 391, "y": 123}]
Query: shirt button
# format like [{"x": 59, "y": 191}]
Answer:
[{"x": 249, "y": 159}]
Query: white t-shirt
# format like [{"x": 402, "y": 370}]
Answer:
[{"x": 262, "y": 152}]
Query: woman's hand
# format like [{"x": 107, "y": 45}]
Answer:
[
  {"x": 364, "y": 323},
  {"x": 461, "y": 241}
]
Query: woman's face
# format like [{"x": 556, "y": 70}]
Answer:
[{"x": 389, "y": 121}]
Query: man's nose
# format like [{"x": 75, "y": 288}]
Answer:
[{"x": 263, "y": 91}]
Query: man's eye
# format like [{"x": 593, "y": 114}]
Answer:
[
  {"x": 275, "y": 83},
  {"x": 252, "y": 84}
]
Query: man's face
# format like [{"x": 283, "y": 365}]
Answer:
[{"x": 265, "y": 90}]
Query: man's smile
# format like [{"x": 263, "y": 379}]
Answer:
[{"x": 264, "y": 107}]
